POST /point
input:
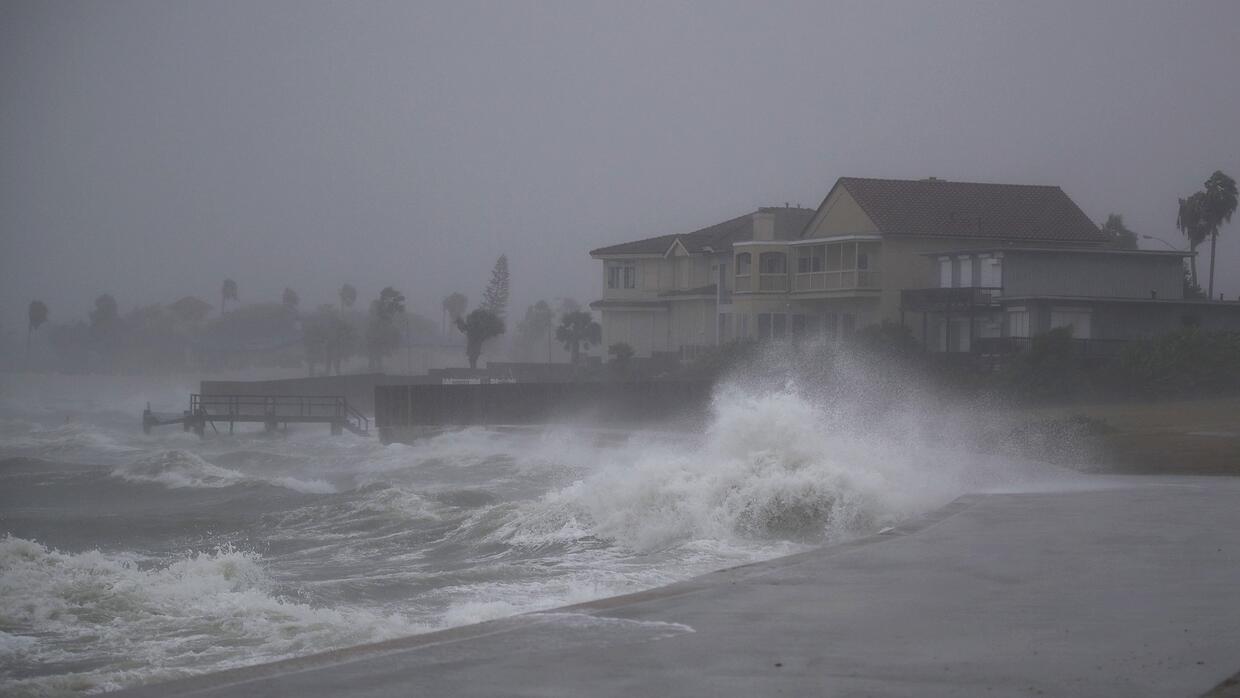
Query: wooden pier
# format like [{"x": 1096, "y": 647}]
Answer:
[{"x": 268, "y": 410}]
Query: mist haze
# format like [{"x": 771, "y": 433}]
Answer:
[
  {"x": 519, "y": 338},
  {"x": 153, "y": 149}
]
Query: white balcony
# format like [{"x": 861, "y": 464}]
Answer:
[{"x": 837, "y": 280}]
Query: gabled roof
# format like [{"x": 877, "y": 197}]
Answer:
[
  {"x": 939, "y": 208},
  {"x": 789, "y": 222}
]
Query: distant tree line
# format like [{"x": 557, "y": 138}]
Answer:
[{"x": 186, "y": 335}]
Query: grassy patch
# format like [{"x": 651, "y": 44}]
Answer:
[{"x": 1197, "y": 437}]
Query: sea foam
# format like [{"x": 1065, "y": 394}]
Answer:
[
  {"x": 178, "y": 468},
  {"x": 207, "y": 609}
]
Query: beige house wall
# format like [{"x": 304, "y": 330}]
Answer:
[
  {"x": 655, "y": 275},
  {"x": 755, "y": 252},
  {"x": 905, "y": 264},
  {"x": 683, "y": 321},
  {"x": 645, "y": 331},
  {"x": 692, "y": 322},
  {"x": 840, "y": 215}
]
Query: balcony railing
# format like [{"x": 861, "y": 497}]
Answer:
[
  {"x": 773, "y": 282},
  {"x": 836, "y": 280},
  {"x": 811, "y": 281},
  {"x": 1081, "y": 348},
  {"x": 948, "y": 299}
]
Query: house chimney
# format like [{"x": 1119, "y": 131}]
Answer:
[{"x": 763, "y": 225}]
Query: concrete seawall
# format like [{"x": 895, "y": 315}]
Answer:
[
  {"x": 403, "y": 412},
  {"x": 1114, "y": 587}
]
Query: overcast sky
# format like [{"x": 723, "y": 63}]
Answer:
[{"x": 150, "y": 149}]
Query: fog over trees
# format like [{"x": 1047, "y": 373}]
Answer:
[{"x": 148, "y": 157}]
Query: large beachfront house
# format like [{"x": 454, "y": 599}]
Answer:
[
  {"x": 673, "y": 293},
  {"x": 953, "y": 261}
]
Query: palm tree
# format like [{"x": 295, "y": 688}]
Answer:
[
  {"x": 227, "y": 292},
  {"x": 453, "y": 307},
  {"x": 1218, "y": 203},
  {"x": 348, "y": 296},
  {"x": 578, "y": 328},
  {"x": 1191, "y": 221},
  {"x": 382, "y": 337},
  {"x": 479, "y": 326},
  {"x": 36, "y": 315}
]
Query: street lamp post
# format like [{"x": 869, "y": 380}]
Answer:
[{"x": 1169, "y": 245}]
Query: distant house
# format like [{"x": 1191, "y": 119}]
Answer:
[
  {"x": 953, "y": 261},
  {"x": 992, "y": 299},
  {"x": 670, "y": 293}
]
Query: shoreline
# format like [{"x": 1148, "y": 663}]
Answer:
[
  {"x": 946, "y": 605},
  {"x": 473, "y": 631}
]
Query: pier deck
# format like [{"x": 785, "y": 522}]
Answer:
[
  {"x": 268, "y": 410},
  {"x": 1118, "y": 586}
]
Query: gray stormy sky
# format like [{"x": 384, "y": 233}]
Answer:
[{"x": 150, "y": 149}]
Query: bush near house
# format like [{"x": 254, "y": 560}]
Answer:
[
  {"x": 1189, "y": 361},
  {"x": 1049, "y": 370}
]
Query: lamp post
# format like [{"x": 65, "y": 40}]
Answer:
[
  {"x": 1169, "y": 245},
  {"x": 408, "y": 347}
]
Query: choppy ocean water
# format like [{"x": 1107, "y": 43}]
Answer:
[{"x": 128, "y": 558}]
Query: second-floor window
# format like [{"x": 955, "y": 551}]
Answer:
[
  {"x": 742, "y": 264},
  {"x": 622, "y": 275},
  {"x": 966, "y": 272},
  {"x": 992, "y": 272},
  {"x": 772, "y": 263},
  {"x": 811, "y": 259}
]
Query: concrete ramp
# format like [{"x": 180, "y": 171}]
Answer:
[{"x": 1130, "y": 587}]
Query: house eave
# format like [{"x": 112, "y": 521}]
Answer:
[
  {"x": 1121, "y": 299},
  {"x": 1060, "y": 250}
]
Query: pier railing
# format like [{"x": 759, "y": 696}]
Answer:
[
  {"x": 278, "y": 408},
  {"x": 270, "y": 410}
]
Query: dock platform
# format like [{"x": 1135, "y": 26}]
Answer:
[{"x": 272, "y": 411}]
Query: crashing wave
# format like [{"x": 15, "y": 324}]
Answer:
[
  {"x": 207, "y": 610},
  {"x": 773, "y": 466},
  {"x": 177, "y": 468}
]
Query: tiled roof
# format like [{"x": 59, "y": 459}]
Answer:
[
  {"x": 939, "y": 208},
  {"x": 789, "y": 222}
]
